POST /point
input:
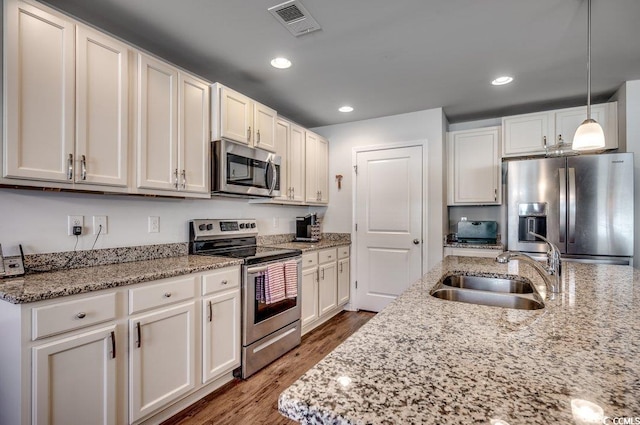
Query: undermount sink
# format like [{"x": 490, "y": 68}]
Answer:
[{"x": 490, "y": 291}]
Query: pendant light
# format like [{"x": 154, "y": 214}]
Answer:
[{"x": 589, "y": 135}]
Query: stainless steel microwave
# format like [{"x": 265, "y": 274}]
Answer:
[{"x": 243, "y": 171}]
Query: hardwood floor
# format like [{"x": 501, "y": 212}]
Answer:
[{"x": 255, "y": 401}]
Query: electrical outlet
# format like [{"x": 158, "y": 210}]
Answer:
[
  {"x": 100, "y": 220},
  {"x": 154, "y": 224},
  {"x": 72, "y": 221}
]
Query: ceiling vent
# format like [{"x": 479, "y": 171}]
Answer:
[{"x": 294, "y": 17}]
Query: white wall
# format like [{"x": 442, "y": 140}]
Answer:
[
  {"x": 38, "y": 220},
  {"x": 628, "y": 98},
  {"x": 427, "y": 127}
]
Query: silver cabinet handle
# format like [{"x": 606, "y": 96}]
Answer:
[
  {"x": 175, "y": 178},
  {"x": 81, "y": 315},
  {"x": 322, "y": 274},
  {"x": 113, "y": 345},
  {"x": 70, "y": 167},
  {"x": 416, "y": 241},
  {"x": 249, "y": 134},
  {"x": 293, "y": 192},
  {"x": 258, "y": 136},
  {"x": 83, "y": 173},
  {"x": 210, "y": 311},
  {"x": 544, "y": 141},
  {"x": 224, "y": 282},
  {"x": 340, "y": 267},
  {"x": 167, "y": 294},
  {"x": 317, "y": 276},
  {"x": 495, "y": 195},
  {"x": 184, "y": 179},
  {"x": 138, "y": 332}
]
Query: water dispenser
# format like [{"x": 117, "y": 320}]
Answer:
[{"x": 532, "y": 217}]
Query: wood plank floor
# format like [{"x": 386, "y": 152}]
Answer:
[{"x": 255, "y": 401}]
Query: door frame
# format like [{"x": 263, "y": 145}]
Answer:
[{"x": 353, "y": 304}]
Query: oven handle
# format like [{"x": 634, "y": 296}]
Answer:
[
  {"x": 274, "y": 176},
  {"x": 258, "y": 269}
]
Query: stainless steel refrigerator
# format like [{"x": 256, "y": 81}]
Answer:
[{"x": 583, "y": 204}]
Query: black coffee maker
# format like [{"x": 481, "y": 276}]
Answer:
[{"x": 303, "y": 228}]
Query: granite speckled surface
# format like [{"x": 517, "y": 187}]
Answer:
[
  {"x": 423, "y": 360},
  {"x": 43, "y": 286},
  {"x": 338, "y": 239}
]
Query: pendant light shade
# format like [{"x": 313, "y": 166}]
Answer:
[{"x": 589, "y": 135}]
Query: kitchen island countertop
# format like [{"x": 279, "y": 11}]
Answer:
[{"x": 424, "y": 360}]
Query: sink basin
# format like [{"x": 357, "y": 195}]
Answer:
[
  {"x": 509, "y": 293},
  {"x": 492, "y": 284}
]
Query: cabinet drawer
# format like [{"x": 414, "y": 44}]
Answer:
[
  {"x": 220, "y": 279},
  {"x": 327, "y": 255},
  {"x": 70, "y": 315},
  {"x": 310, "y": 259},
  {"x": 343, "y": 252},
  {"x": 162, "y": 293}
]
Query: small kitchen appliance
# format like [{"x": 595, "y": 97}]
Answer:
[
  {"x": 477, "y": 232},
  {"x": 269, "y": 329},
  {"x": 305, "y": 227}
]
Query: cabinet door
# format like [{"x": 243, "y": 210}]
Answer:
[
  {"x": 328, "y": 288},
  {"x": 264, "y": 119},
  {"x": 526, "y": 134},
  {"x": 474, "y": 167},
  {"x": 236, "y": 116},
  {"x": 193, "y": 139},
  {"x": 220, "y": 334},
  {"x": 102, "y": 91},
  {"x": 161, "y": 358},
  {"x": 297, "y": 163},
  {"x": 282, "y": 149},
  {"x": 311, "y": 167},
  {"x": 309, "y": 295},
  {"x": 322, "y": 171},
  {"x": 157, "y": 129},
  {"x": 39, "y": 94},
  {"x": 568, "y": 120},
  {"x": 74, "y": 379},
  {"x": 343, "y": 281}
]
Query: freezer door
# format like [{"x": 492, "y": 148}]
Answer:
[
  {"x": 537, "y": 184},
  {"x": 600, "y": 208}
]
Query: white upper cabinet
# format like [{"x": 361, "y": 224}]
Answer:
[
  {"x": 290, "y": 146},
  {"x": 475, "y": 175},
  {"x": 316, "y": 169},
  {"x": 102, "y": 113},
  {"x": 238, "y": 118},
  {"x": 531, "y": 134},
  {"x": 283, "y": 134},
  {"x": 172, "y": 129},
  {"x": 66, "y": 101}
]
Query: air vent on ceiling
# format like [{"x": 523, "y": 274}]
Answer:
[{"x": 294, "y": 17}]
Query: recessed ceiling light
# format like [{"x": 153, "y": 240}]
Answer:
[
  {"x": 500, "y": 81},
  {"x": 280, "y": 63},
  {"x": 345, "y": 108}
]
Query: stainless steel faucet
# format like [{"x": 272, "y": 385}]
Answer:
[{"x": 551, "y": 273}]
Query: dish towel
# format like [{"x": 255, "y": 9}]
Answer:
[
  {"x": 291, "y": 278},
  {"x": 260, "y": 289},
  {"x": 274, "y": 283}
]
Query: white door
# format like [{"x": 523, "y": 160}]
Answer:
[
  {"x": 74, "y": 379},
  {"x": 389, "y": 220},
  {"x": 220, "y": 334}
]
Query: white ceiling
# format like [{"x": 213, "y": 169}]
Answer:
[{"x": 389, "y": 57}]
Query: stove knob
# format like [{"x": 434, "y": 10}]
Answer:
[
  {"x": 202, "y": 226},
  {"x": 253, "y": 225},
  {"x": 242, "y": 225},
  {"x": 209, "y": 226}
]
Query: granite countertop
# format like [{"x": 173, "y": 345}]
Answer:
[
  {"x": 312, "y": 246},
  {"x": 43, "y": 286},
  {"x": 423, "y": 360},
  {"x": 474, "y": 245}
]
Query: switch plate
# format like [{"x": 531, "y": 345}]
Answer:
[
  {"x": 154, "y": 224},
  {"x": 74, "y": 220},
  {"x": 100, "y": 220}
]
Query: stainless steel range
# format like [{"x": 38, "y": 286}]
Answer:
[{"x": 271, "y": 287}]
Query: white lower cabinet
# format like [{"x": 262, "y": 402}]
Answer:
[
  {"x": 74, "y": 379},
  {"x": 309, "y": 295},
  {"x": 328, "y": 287},
  {"x": 161, "y": 359},
  {"x": 343, "y": 281},
  {"x": 220, "y": 334}
]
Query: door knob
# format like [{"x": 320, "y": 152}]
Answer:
[{"x": 416, "y": 241}]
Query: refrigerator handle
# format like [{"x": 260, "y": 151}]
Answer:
[
  {"x": 572, "y": 205},
  {"x": 562, "y": 211}
]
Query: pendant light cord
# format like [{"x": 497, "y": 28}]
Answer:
[{"x": 588, "y": 59}]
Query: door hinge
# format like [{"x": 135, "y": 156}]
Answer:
[{"x": 355, "y": 169}]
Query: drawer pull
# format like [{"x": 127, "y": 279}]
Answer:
[
  {"x": 210, "y": 311},
  {"x": 167, "y": 294},
  {"x": 138, "y": 342},
  {"x": 81, "y": 315},
  {"x": 329, "y": 256},
  {"x": 310, "y": 261},
  {"x": 224, "y": 282},
  {"x": 113, "y": 345}
]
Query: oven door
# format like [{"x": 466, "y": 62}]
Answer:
[
  {"x": 243, "y": 170},
  {"x": 261, "y": 319}
]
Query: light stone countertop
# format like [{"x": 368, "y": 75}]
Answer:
[
  {"x": 43, "y": 286},
  {"x": 423, "y": 360},
  {"x": 312, "y": 246},
  {"x": 474, "y": 245}
]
